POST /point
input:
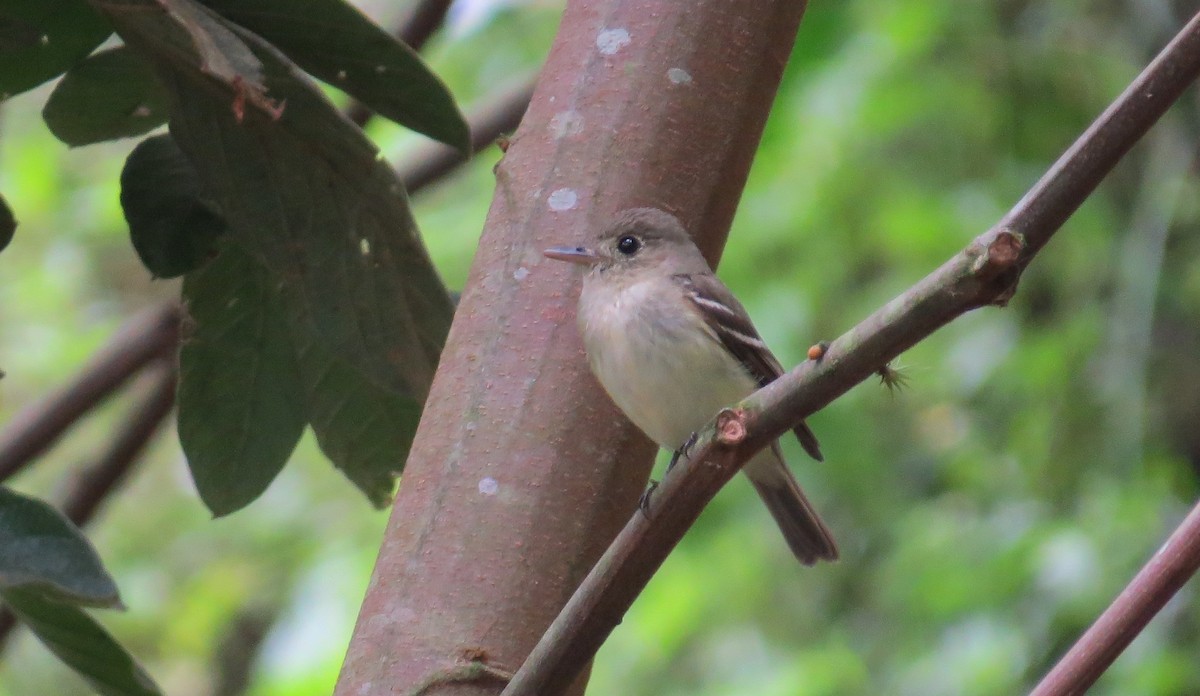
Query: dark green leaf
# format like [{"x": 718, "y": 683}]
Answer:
[
  {"x": 364, "y": 429},
  {"x": 173, "y": 228},
  {"x": 334, "y": 41},
  {"x": 8, "y": 224},
  {"x": 241, "y": 406},
  {"x": 39, "y": 39},
  {"x": 112, "y": 94},
  {"x": 82, "y": 644},
  {"x": 41, "y": 551},
  {"x": 302, "y": 189},
  {"x": 186, "y": 35}
]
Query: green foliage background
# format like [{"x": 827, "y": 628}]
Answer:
[{"x": 986, "y": 513}]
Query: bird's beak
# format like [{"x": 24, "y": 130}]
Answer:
[{"x": 580, "y": 255}]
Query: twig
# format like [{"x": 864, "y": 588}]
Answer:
[
  {"x": 150, "y": 335},
  {"x": 415, "y": 30},
  {"x": 984, "y": 273},
  {"x": 500, "y": 114},
  {"x": 1142, "y": 598}
]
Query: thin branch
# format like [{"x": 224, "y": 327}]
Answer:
[
  {"x": 500, "y": 114},
  {"x": 1174, "y": 564},
  {"x": 415, "y": 30},
  {"x": 984, "y": 273},
  {"x": 150, "y": 335}
]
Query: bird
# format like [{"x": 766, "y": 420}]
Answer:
[{"x": 672, "y": 346}]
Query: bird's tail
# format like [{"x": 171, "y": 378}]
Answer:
[
  {"x": 808, "y": 441},
  {"x": 802, "y": 527}
]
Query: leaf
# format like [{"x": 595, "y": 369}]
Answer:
[
  {"x": 82, "y": 644},
  {"x": 39, "y": 39},
  {"x": 42, "y": 551},
  {"x": 241, "y": 406},
  {"x": 187, "y": 35},
  {"x": 364, "y": 429},
  {"x": 112, "y": 94},
  {"x": 8, "y": 224},
  {"x": 333, "y": 40},
  {"x": 303, "y": 191},
  {"x": 174, "y": 229}
]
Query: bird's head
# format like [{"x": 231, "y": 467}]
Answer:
[{"x": 638, "y": 239}]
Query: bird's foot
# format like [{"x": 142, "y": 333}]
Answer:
[
  {"x": 685, "y": 450},
  {"x": 644, "y": 501}
]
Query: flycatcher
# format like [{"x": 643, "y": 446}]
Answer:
[{"x": 672, "y": 346}]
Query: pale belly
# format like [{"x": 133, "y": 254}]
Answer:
[{"x": 666, "y": 381}]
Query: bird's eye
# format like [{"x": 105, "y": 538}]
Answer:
[{"x": 629, "y": 245}]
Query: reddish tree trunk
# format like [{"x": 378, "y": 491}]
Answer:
[{"x": 522, "y": 471}]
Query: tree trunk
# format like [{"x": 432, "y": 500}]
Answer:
[{"x": 522, "y": 470}]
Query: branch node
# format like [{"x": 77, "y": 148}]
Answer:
[
  {"x": 997, "y": 267},
  {"x": 1006, "y": 248},
  {"x": 1000, "y": 256},
  {"x": 731, "y": 427}
]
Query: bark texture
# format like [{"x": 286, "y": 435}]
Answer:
[{"x": 522, "y": 470}]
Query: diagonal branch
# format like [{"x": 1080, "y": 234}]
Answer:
[
  {"x": 986, "y": 272},
  {"x": 152, "y": 334},
  {"x": 498, "y": 115},
  {"x": 1173, "y": 565}
]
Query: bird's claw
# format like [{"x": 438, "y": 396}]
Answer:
[
  {"x": 683, "y": 451},
  {"x": 644, "y": 501}
]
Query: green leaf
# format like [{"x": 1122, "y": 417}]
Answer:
[
  {"x": 302, "y": 190},
  {"x": 186, "y": 34},
  {"x": 39, "y": 39},
  {"x": 82, "y": 644},
  {"x": 334, "y": 41},
  {"x": 112, "y": 94},
  {"x": 241, "y": 405},
  {"x": 364, "y": 429},
  {"x": 8, "y": 224},
  {"x": 174, "y": 229},
  {"x": 42, "y": 551}
]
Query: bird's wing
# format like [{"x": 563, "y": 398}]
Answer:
[{"x": 731, "y": 323}]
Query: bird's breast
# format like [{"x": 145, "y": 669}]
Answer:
[{"x": 657, "y": 359}]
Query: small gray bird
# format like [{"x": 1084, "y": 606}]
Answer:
[{"x": 672, "y": 346}]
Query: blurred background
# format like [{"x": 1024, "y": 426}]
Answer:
[{"x": 986, "y": 513}]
